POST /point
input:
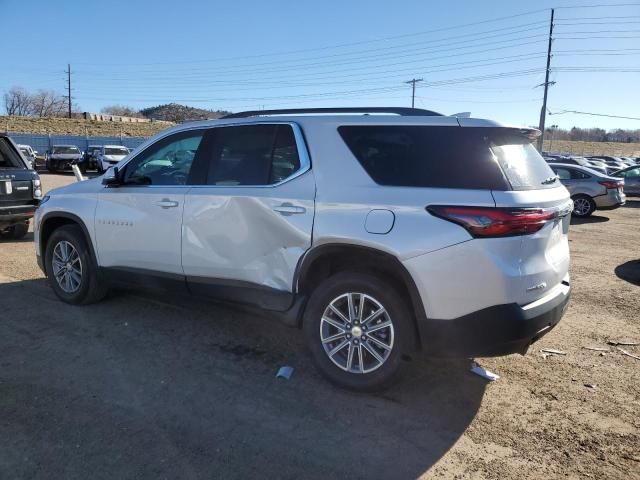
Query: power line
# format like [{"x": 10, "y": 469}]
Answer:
[
  {"x": 363, "y": 42},
  {"x": 593, "y": 114}
]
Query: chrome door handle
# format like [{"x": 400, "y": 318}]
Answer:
[
  {"x": 288, "y": 209},
  {"x": 166, "y": 203}
]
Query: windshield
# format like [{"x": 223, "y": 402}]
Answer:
[
  {"x": 65, "y": 150},
  {"x": 9, "y": 158},
  {"x": 116, "y": 151}
]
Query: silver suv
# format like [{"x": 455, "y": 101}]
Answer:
[{"x": 380, "y": 232}]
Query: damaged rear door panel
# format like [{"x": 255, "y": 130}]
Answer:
[{"x": 243, "y": 241}]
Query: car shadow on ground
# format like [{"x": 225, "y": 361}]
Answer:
[
  {"x": 591, "y": 219},
  {"x": 632, "y": 203},
  {"x": 138, "y": 387},
  {"x": 26, "y": 239},
  {"x": 629, "y": 271}
]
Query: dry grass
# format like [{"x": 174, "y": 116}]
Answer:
[
  {"x": 593, "y": 148},
  {"x": 73, "y": 126}
]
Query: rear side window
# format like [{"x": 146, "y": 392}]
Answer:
[
  {"x": 447, "y": 157},
  {"x": 9, "y": 158},
  {"x": 253, "y": 155}
]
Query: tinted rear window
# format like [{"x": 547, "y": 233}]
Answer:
[
  {"x": 447, "y": 157},
  {"x": 9, "y": 158}
]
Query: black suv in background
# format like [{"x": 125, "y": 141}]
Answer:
[{"x": 20, "y": 191}]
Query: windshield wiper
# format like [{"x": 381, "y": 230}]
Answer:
[{"x": 549, "y": 180}]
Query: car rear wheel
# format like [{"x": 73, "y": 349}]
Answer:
[
  {"x": 71, "y": 270},
  {"x": 583, "y": 206},
  {"x": 357, "y": 327}
]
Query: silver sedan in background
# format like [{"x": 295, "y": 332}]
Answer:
[{"x": 589, "y": 189}]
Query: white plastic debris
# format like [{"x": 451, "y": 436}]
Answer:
[
  {"x": 77, "y": 172},
  {"x": 483, "y": 372},
  {"x": 285, "y": 372},
  {"x": 553, "y": 351}
]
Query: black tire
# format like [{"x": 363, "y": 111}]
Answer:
[
  {"x": 398, "y": 314},
  {"x": 99, "y": 168},
  {"x": 52, "y": 167},
  {"x": 583, "y": 206},
  {"x": 15, "y": 232},
  {"x": 90, "y": 289},
  {"x": 83, "y": 168}
]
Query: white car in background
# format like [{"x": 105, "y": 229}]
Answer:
[
  {"x": 110, "y": 155},
  {"x": 28, "y": 154}
]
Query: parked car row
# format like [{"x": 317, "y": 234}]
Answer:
[{"x": 61, "y": 157}]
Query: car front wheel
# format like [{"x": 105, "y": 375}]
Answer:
[
  {"x": 357, "y": 327},
  {"x": 71, "y": 270}
]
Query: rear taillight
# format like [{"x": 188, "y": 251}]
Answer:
[
  {"x": 494, "y": 222},
  {"x": 611, "y": 184}
]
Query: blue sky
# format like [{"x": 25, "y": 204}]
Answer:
[{"x": 484, "y": 57}]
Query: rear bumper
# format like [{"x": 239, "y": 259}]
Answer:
[
  {"x": 611, "y": 200},
  {"x": 16, "y": 214},
  {"x": 495, "y": 331}
]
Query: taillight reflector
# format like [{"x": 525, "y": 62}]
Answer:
[{"x": 494, "y": 222}]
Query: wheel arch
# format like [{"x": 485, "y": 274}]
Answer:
[
  {"x": 325, "y": 260},
  {"x": 54, "y": 220}
]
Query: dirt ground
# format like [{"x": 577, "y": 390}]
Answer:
[
  {"x": 591, "y": 148},
  {"x": 135, "y": 387}
]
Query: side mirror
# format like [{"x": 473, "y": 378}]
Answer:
[{"x": 111, "y": 177}]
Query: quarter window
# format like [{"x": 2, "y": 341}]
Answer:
[
  {"x": 168, "y": 162},
  {"x": 252, "y": 155}
]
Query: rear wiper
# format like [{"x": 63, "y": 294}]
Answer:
[{"x": 550, "y": 180}]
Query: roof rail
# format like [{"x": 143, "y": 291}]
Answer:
[{"x": 402, "y": 111}]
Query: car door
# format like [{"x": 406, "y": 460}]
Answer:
[
  {"x": 247, "y": 226},
  {"x": 138, "y": 223},
  {"x": 632, "y": 181}
]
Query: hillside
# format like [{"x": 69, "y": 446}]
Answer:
[
  {"x": 593, "y": 148},
  {"x": 174, "y": 112},
  {"x": 73, "y": 126}
]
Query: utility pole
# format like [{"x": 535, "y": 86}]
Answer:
[
  {"x": 413, "y": 89},
  {"x": 68, "y": 72},
  {"x": 543, "y": 111}
]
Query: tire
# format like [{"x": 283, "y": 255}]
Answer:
[
  {"x": 583, "y": 206},
  {"x": 15, "y": 232},
  {"x": 89, "y": 288},
  {"x": 99, "y": 168},
  {"x": 52, "y": 167},
  {"x": 370, "y": 374},
  {"x": 83, "y": 168}
]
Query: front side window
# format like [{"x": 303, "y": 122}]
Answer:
[
  {"x": 168, "y": 162},
  {"x": 252, "y": 155}
]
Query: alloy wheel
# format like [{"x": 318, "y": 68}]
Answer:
[
  {"x": 67, "y": 267},
  {"x": 581, "y": 206},
  {"x": 357, "y": 333}
]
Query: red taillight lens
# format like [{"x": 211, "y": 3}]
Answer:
[
  {"x": 494, "y": 222},
  {"x": 611, "y": 184}
]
